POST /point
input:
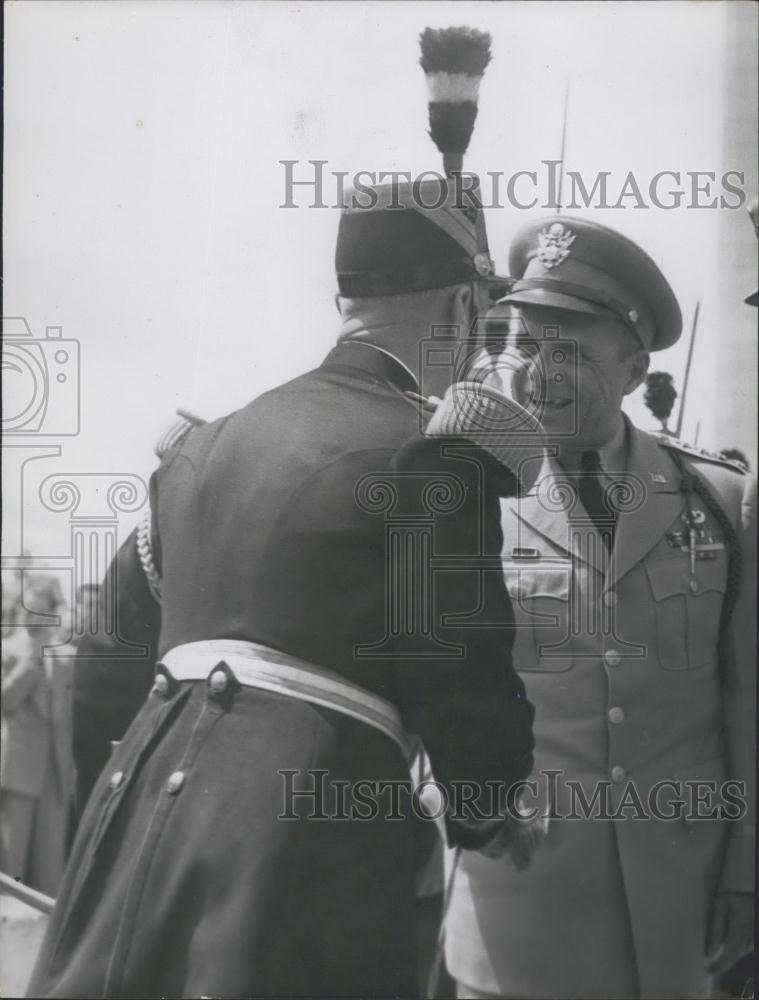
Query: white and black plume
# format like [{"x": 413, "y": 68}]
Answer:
[{"x": 454, "y": 61}]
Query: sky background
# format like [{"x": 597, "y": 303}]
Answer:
[{"x": 143, "y": 185}]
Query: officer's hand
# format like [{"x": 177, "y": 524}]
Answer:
[
  {"x": 505, "y": 429},
  {"x": 730, "y": 930},
  {"x": 519, "y": 837}
]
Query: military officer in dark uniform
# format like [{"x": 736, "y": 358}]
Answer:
[
  {"x": 196, "y": 870},
  {"x": 113, "y": 670},
  {"x": 631, "y": 569}
]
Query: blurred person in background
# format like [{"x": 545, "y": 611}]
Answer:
[
  {"x": 10, "y": 614},
  {"x": 36, "y": 768},
  {"x": 85, "y": 612}
]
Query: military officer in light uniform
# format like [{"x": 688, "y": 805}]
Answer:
[{"x": 630, "y": 566}]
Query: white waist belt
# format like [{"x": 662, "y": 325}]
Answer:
[{"x": 272, "y": 670}]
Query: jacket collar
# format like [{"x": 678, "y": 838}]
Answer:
[
  {"x": 373, "y": 362},
  {"x": 544, "y": 508},
  {"x": 655, "y": 501}
]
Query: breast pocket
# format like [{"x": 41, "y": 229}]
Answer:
[
  {"x": 540, "y": 598},
  {"x": 687, "y": 611}
]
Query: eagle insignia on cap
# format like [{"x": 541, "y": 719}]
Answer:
[{"x": 554, "y": 245}]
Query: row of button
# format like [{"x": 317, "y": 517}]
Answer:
[
  {"x": 612, "y": 658},
  {"x": 173, "y": 785},
  {"x": 218, "y": 682}
]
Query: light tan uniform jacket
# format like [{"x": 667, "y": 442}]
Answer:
[{"x": 621, "y": 661}]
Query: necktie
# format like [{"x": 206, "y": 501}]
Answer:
[{"x": 591, "y": 493}]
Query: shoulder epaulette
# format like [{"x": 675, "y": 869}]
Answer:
[
  {"x": 173, "y": 435},
  {"x": 177, "y": 432},
  {"x": 667, "y": 441}
]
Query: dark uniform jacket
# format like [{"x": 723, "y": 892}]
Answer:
[{"x": 271, "y": 526}]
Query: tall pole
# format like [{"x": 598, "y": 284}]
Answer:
[
  {"x": 563, "y": 146},
  {"x": 678, "y": 429}
]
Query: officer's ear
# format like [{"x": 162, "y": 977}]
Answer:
[
  {"x": 460, "y": 306},
  {"x": 637, "y": 369},
  {"x": 337, "y": 302}
]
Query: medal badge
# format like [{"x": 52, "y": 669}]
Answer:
[{"x": 697, "y": 538}]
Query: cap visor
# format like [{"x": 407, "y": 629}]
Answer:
[
  {"x": 752, "y": 300},
  {"x": 554, "y": 300}
]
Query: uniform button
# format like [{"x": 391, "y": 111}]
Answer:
[
  {"x": 116, "y": 778},
  {"x": 175, "y": 782},
  {"x": 616, "y": 715},
  {"x": 612, "y": 657},
  {"x": 618, "y": 774},
  {"x": 218, "y": 681},
  {"x": 610, "y": 599},
  {"x": 161, "y": 685}
]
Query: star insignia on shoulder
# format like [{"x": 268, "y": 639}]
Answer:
[{"x": 668, "y": 441}]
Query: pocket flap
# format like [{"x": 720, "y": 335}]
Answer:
[
  {"x": 539, "y": 580},
  {"x": 669, "y": 577}
]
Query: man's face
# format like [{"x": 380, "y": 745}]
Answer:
[{"x": 575, "y": 371}]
